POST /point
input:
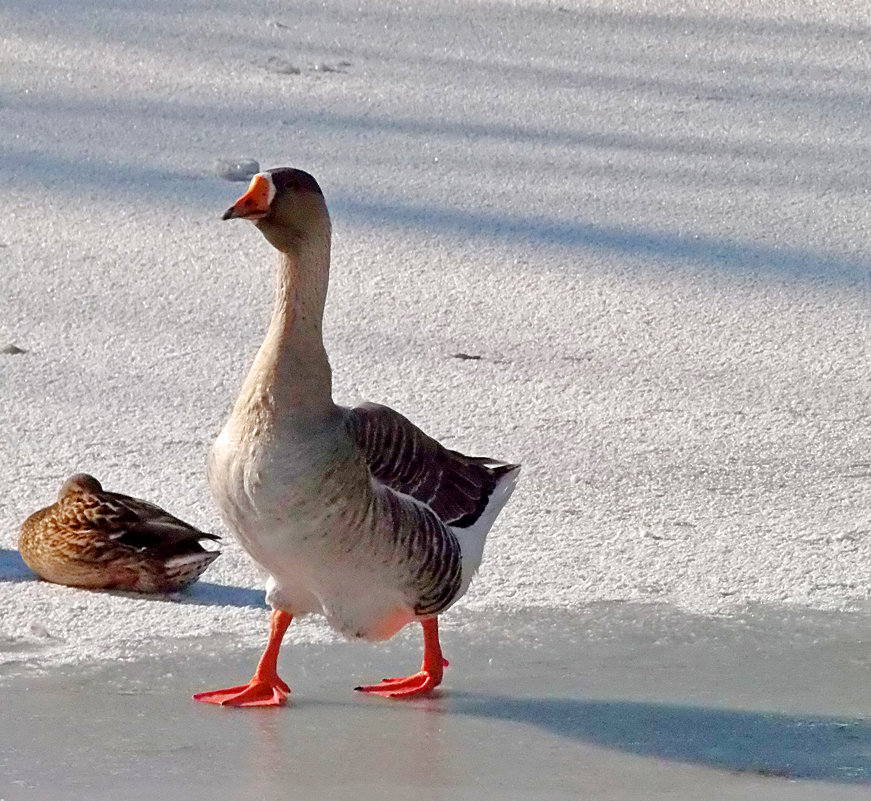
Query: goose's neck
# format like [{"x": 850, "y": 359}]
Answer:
[{"x": 291, "y": 372}]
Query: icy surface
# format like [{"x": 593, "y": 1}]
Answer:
[
  {"x": 614, "y": 702},
  {"x": 649, "y": 220}
]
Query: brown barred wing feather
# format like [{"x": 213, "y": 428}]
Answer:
[{"x": 401, "y": 456}]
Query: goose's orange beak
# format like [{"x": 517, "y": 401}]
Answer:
[{"x": 254, "y": 204}]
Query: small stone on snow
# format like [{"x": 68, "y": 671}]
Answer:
[
  {"x": 281, "y": 67},
  {"x": 242, "y": 169}
]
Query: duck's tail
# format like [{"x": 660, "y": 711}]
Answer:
[{"x": 183, "y": 570}]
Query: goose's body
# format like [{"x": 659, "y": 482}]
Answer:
[
  {"x": 355, "y": 514},
  {"x": 104, "y": 540},
  {"x": 334, "y": 528}
]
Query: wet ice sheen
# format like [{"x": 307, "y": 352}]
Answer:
[{"x": 606, "y": 703}]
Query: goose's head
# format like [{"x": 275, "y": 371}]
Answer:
[{"x": 286, "y": 204}]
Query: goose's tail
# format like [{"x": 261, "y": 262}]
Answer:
[{"x": 473, "y": 537}]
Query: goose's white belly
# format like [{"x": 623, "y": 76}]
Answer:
[{"x": 292, "y": 513}]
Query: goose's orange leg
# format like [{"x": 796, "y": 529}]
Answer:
[
  {"x": 265, "y": 687},
  {"x": 429, "y": 677}
]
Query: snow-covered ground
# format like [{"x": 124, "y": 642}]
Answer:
[{"x": 649, "y": 220}]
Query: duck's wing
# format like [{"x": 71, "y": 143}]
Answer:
[
  {"x": 401, "y": 456},
  {"x": 130, "y": 522}
]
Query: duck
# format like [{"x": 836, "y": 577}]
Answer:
[
  {"x": 94, "y": 539},
  {"x": 355, "y": 514}
]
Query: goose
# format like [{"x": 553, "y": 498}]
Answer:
[
  {"x": 104, "y": 540},
  {"x": 355, "y": 514}
]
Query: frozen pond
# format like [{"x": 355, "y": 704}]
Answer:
[{"x": 614, "y": 702}]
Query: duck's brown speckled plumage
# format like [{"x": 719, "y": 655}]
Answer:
[{"x": 104, "y": 540}]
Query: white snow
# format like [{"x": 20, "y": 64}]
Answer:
[{"x": 650, "y": 220}]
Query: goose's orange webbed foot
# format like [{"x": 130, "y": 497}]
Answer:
[
  {"x": 426, "y": 680},
  {"x": 258, "y": 692},
  {"x": 403, "y": 687},
  {"x": 266, "y": 688}
]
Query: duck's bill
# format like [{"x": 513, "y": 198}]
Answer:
[{"x": 254, "y": 204}]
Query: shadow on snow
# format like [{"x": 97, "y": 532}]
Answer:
[{"x": 13, "y": 568}]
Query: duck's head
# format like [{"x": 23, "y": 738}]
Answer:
[
  {"x": 80, "y": 482},
  {"x": 286, "y": 204}
]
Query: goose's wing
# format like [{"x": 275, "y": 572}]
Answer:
[{"x": 401, "y": 456}]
